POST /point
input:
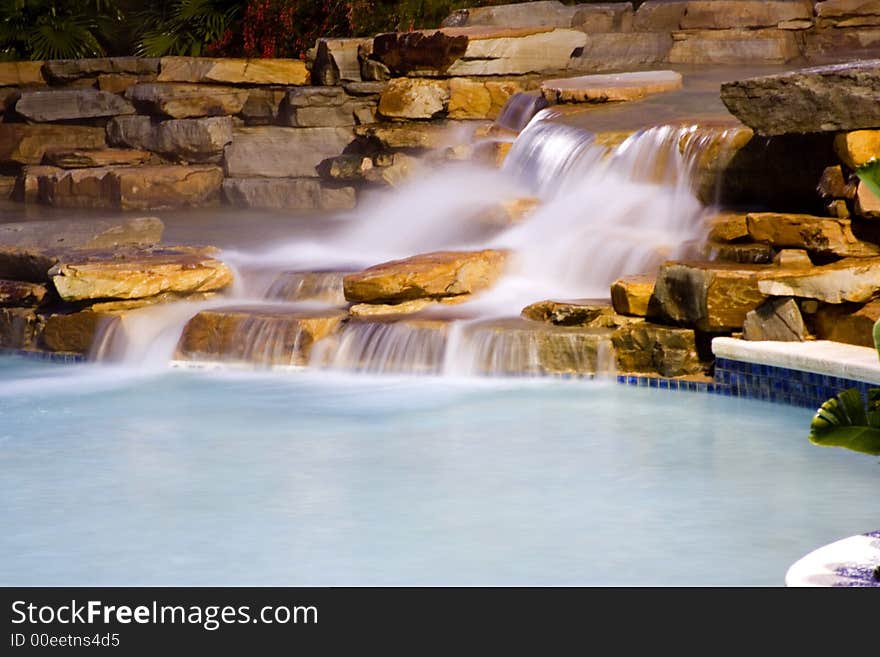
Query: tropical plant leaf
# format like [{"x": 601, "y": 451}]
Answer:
[
  {"x": 843, "y": 422},
  {"x": 870, "y": 175}
]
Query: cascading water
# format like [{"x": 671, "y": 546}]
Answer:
[{"x": 604, "y": 211}]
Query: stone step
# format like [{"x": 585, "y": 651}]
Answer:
[{"x": 610, "y": 87}]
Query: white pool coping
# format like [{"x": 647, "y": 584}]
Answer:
[
  {"x": 847, "y": 562},
  {"x": 845, "y": 361}
]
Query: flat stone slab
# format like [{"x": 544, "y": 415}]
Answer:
[
  {"x": 851, "y": 279},
  {"x": 70, "y": 104},
  {"x": 233, "y": 71},
  {"x": 82, "y": 234},
  {"x": 67, "y": 70},
  {"x": 181, "y": 101},
  {"x": 24, "y": 143},
  {"x": 820, "y": 99},
  {"x": 16, "y": 74},
  {"x": 136, "y": 274},
  {"x": 610, "y": 87},
  {"x": 426, "y": 276},
  {"x": 99, "y": 157},
  {"x": 276, "y": 152}
]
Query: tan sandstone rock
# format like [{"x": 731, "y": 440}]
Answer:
[
  {"x": 429, "y": 275},
  {"x": 234, "y": 71},
  {"x": 631, "y": 295}
]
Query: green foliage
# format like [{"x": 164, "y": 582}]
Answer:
[
  {"x": 184, "y": 27},
  {"x": 843, "y": 421},
  {"x": 870, "y": 175},
  {"x": 56, "y": 29}
]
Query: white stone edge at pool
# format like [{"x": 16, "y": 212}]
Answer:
[
  {"x": 847, "y": 562},
  {"x": 820, "y": 356}
]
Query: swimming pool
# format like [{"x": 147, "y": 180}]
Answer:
[{"x": 176, "y": 477}]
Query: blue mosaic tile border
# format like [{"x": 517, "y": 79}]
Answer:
[
  {"x": 735, "y": 378},
  {"x": 781, "y": 384},
  {"x": 52, "y": 356}
]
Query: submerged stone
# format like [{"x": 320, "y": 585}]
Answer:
[{"x": 430, "y": 275}]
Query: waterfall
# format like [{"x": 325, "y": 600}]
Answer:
[{"x": 606, "y": 210}]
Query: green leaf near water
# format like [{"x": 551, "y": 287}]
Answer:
[
  {"x": 870, "y": 175},
  {"x": 842, "y": 421}
]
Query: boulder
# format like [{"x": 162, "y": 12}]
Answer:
[
  {"x": 847, "y": 322},
  {"x": 430, "y": 275},
  {"x": 23, "y": 143},
  {"x": 414, "y": 98},
  {"x": 27, "y": 184},
  {"x": 132, "y": 188},
  {"x": 70, "y": 105},
  {"x": 610, "y": 87},
  {"x": 631, "y": 295},
  {"x": 618, "y": 51},
  {"x": 263, "y": 335},
  {"x": 136, "y": 274},
  {"x": 857, "y": 148},
  {"x": 228, "y": 70},
  {"x": 541, "y": 52},
  {"x": 63, "y": 71},
  {"x": 180, "y": 101},
  {"x": 851, "y": 279},
  {"x": 725, "y": 14},
  {"x": 21, "y": 293},
  {"x": 18, "y": 328},
  {"x": 816, "y": 234},
  {"x": 266, "y": 151},
  {"x": 75, "y": 332},
  {"x": 867, "y": 202},
  {"x": 710, "y": 296},
  {"x": 185, "y": 140},
  {"x": 325, "y": 286},
  {"x": 821, "y": 99},
  {"x": 660, "y": 15},
  {"x": 643, "y": 347},
  {"x": 287, "y": 194},
  {"x": 523, "y": 347},
  {"x": 779, "y": 320},
  {"x": 97, "y": 157},
  {"x": 21, "y": 74},
  {"x": 407, "y": 52},
  {"x": 734, "y": 46}
]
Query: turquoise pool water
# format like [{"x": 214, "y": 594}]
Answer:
[{"x": 198, "y": 478}]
